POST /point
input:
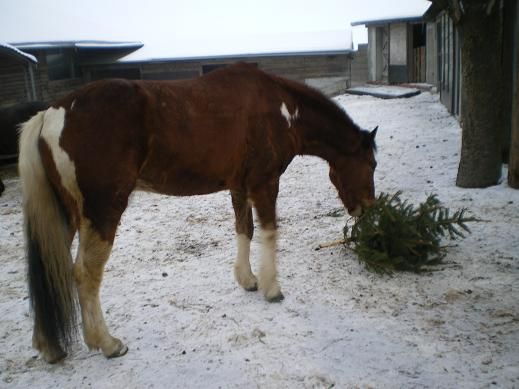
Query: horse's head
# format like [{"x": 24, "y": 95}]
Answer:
[{"x": 352, "y": 174}]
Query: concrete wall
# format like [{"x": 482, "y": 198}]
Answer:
[
  {"x": 372, "y": 53},
  {"x": 398, "y": 44},
  {"x": 431, "y": 55},
  {"x": 378, "y": 53}
]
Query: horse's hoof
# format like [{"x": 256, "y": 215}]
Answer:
[
  {"x": 54, "y": 357},
  {"x": 276, "y": 299},
  {"x": 118, "y": 353},
  {"x": 253, "y": 288},
  {"x": 246, "y": 280}
]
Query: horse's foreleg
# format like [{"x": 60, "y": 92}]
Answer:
[
  {"x": 244, "y": 231},
  {"x": 265, "y": 204},
  {"x": 88, "y": 272}
]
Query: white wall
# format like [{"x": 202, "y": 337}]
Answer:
[{"x": 398, "y": 44}]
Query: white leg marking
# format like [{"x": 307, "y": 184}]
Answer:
[
  {"x": 88, "y": 270},
  {"x": 242, "y": 271},
  {"x": 268, "y": 273}
]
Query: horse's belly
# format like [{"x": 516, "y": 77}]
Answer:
[{"x": 176, "y": 183}]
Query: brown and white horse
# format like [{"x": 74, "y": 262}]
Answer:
[{"x": 234, "y": 129}]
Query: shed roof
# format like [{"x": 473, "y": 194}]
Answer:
[
  {"x": 12, "y": 51},
  {"x": 403, "y": 19},
  {"x": 226, "y": 57},
  {"x": 80, "y": 45},
  {"x": 88, "y": 51}
]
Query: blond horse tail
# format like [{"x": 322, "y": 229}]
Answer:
[{"x": 48, "y": 239}]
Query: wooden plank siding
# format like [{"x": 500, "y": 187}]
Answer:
[
  {"x": 49, "y": 90},
  {"x": 300, "y": 67},
  {"x": 359, "y": 66},
  {"x": 419, "y": 64},
  {"x": 13, "y": 82}
]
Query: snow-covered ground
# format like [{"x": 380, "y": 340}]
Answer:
[{"x": 169, "y": 292}]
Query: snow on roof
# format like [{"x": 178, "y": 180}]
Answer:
[
  {"x": 79, "y": 45},
  {"x": 401, "y": 19},
  {"x": 114, "y": 45},
  {"x": 19, "y": 53},
  {"x": 275, "y": 44}
]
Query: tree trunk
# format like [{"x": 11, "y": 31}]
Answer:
[
  {"x": 509, "y": 7},
  {"x": 482, "y": 116},
  {"x": 513, "y": 167}
]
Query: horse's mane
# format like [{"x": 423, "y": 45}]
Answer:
[{"x": 308, "y": 95}]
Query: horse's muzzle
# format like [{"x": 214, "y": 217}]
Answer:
[{"x": 356, "y": 212}]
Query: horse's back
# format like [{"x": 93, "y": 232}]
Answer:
[{"x": 175, "y": 137}]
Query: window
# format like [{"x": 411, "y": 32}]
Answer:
[{"x": 61, "y": 65}]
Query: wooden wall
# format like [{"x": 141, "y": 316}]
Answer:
[
  {"x": 298, "y": 67},
  {"x": 449, "y": 65},
  {"x": 13, "y": 87},
  {"x": 359, "y": 66},
  {"x": 13, "y": 81}
]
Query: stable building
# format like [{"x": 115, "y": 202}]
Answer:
[
  {"x": 45, "y": 71},
  {"x": 396, "y": 50}
]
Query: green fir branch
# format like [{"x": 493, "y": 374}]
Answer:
[{"x": 395, "y": 235}]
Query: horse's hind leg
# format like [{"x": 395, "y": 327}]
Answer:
[
  {"x": 51, "y": 352},
  {"x": 244, "y": 231},
  {"x": 88, "y": 271}
]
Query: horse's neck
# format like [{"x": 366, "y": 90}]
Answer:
[
  {"x": 325, "y": 133},
  {"x": 321, "y": 127}
]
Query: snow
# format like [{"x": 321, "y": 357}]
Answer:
[
  {"x": 29, "y": 57},
  {"x": 116, "y": 45},
  {"x": 169, "y": 292},
  {"x": 81, "y": 44},
  {"x": 383, "y": 91}
]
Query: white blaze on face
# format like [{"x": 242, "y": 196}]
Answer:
[
  {"x": 53, "y": 124},
  {"x": 290, "y": 118}
]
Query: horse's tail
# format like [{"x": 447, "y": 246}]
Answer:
[{"x": 50, "y": 276}]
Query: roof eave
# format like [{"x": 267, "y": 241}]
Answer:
[
  {"x": 16, "y": 53},
  {"x": 375, "y": 22},
  {"x": 224, "y": 57}
]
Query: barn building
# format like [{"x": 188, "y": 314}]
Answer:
[
  {"x": 48, "y": 70},
  {"x": 396, "y": 49}
]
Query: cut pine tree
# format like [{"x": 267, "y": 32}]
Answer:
[{"x": 393, "y": 234}]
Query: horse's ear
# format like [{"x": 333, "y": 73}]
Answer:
[{"x": 374, "y": 133}]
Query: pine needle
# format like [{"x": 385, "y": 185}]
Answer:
[{"x": 393, "y": 234}]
